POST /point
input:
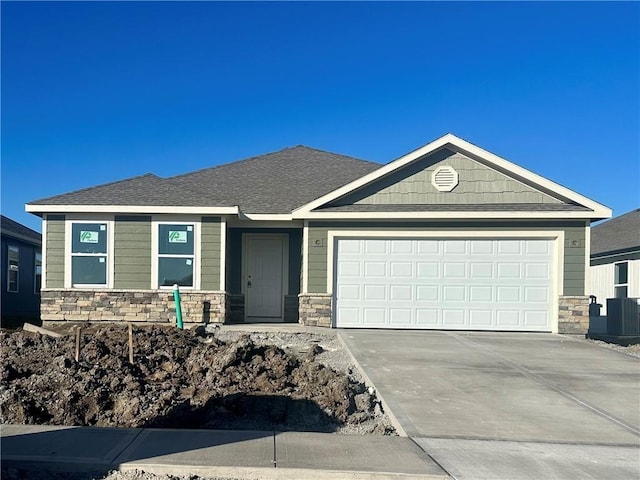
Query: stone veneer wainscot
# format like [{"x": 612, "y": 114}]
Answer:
[
  {"x": 573, "y": 314},
  {"x": 132, "y": 305},
  {"x": 315, "y": 309}
]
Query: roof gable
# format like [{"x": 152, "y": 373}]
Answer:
[
  {"x": 477, "y": 184},
  {"x": 619, "y": 234},
  {"x": 412, "y": 171}
]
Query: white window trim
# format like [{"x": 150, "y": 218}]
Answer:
[
  {"x": 223, "y": 254},
  {"x": 156, "y": 221},
  {"x": 17, "y": 248},
  {"x": 35, "y": 276},
  {"x": 615, "y": 284},
  {"x": 44, "y": 253},
  {"x": 557, "y": 237},
  {"x": 68, "y": 232}
]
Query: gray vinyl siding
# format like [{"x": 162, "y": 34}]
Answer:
[
  {"x": 574, "y": 248},
  {"x": 574, "y": 260},
  {"x": 54, "y": 257},
  {"x": 478, "y": 184},
  {"x": 132, "y": 252},
  {"x": 317, "y": 268},
  {"x": 210, "y": 253}
]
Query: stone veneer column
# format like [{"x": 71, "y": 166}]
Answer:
[
  {"x": 132, "y": 305},
  {"x": 573, "y": 314},
  {"x": 314, "y": 309}
]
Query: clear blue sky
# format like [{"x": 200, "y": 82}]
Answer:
[{"x": 96, "y": 92}]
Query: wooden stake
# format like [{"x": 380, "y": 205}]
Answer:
[
  {"x": 130, "y": 344},
  {"x": 78, "y": 343}
]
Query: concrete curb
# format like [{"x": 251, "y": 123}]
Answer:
[{"x": 249, "y": 473}]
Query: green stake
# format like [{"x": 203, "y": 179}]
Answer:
[{"x": 176, "y": 297}]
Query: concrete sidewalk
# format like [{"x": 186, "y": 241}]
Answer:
[{"x": 240, "y": 454}]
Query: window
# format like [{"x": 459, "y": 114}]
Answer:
[
  {"x": 37, "y": 272},
  {"x": 89, "y": 254},
  {"x": 175, "y": 254},
  {"x": 620, "y": 281},
  {"x": 13, "y": 262}
]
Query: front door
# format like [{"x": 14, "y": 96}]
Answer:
[{"x": 263, "y": 276}]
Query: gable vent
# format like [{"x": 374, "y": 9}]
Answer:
[{"x": 444, "y": 179}]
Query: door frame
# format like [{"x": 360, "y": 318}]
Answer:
[{"x": 246, "y": 236}]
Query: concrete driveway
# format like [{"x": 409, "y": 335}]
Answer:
[{"x": 509, "y": 405}]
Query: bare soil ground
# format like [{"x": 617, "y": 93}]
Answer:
[{"x": 199, "y": 378}]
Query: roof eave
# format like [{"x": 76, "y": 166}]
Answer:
[
  {"x": 462, "y": 215},
  {"x": 134, "y": 209}
]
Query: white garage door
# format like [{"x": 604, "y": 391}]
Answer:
[{"x": 461, "y": 284}]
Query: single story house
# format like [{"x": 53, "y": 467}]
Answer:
[
  {"x": 615, "y": 258},
  {"x": 448, "y": 236},
  {"x": 21, "y": 272}
]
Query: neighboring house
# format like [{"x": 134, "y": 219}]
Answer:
[
  {"x": 448, "y": 236},
  {"x": 21, "y": 271},
  {"x": 615, "y": 258}
]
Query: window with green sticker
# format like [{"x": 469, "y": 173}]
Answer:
[
  {"x": 176, "y": 254},
  {"x": 89, "y": 253}
]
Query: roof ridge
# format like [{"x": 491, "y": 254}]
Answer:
[{"x": 256, "y": 157}]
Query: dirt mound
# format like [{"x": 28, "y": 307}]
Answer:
[{"x": 179, "y": 379}]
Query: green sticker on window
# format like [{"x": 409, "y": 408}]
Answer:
[
  {"x": 87, "y": 236},
  {"x": 177, "y": 236}
]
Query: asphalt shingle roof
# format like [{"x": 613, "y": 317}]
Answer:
[
  {"x": 277, "y": 182},
  {"x": 618, "y": 234},
  {"x": 17, "y": 230}
]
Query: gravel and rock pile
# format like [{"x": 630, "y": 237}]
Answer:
[{"x": 200, "y": 378}]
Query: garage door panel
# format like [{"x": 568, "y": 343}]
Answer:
[
  {"x": 375, "y": 269},
  {"x": 375, "y": 292},
  {"x": 482, "y": 247},
  {"x": 508, "y": 318},
  {"x": 454, "y": 270},
  {"x": 509, "y": 270},
  {"x": 350, "y": 293},
  {"x": 480, "y": 294},
  {"x": 480, "y": 318},
  {"x": 508, "y": 294},
  {"x": 428, "y": 270},
  {"x": 350, "y": 246},
  {"x": 349, "y": 269},
  {"x": 510, "y": 247},
  {"x": 454, "y": 247},
  {"x": 375, "y": 247},
  {"x": 402, "y": 247},
  {"x": 479, "y": 284},
  {"x": 400, "y": 317},
  {"x": 428, "y": 247},
  {"x": 453, "y": 293},
  {"x": 427, "y": 293},
  {"x": 402, "y": 293},
  {"x": 453, "y": 318},
  {"x": 537, "y": 247},
  {"x": 537, "y": 270},
  {"x": 536, "y": 319},
  {"x": 374, "y": 316}
]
